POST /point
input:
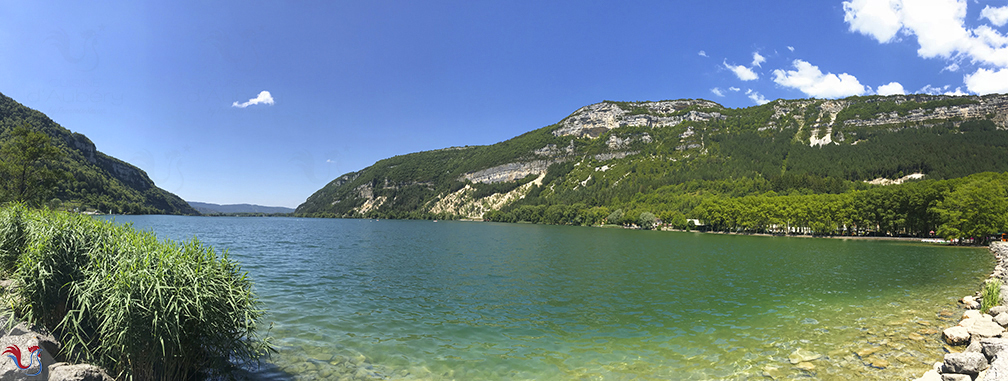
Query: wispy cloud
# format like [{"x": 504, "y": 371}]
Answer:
[
  {"x": 733, "y": 88},
  {"x": 791, "y": 48},
  {"x": 757, "y": 59},
  {"x": 717, "y": 92},
  {"x": 757, "y": 97},
  {"x": 264, "y": 97},
  {"x": 702, "y": 53},
  {"x": 742, "y": 72},
  {"x": 996, "y": 15},
  {"x": 813, "y": 82}
]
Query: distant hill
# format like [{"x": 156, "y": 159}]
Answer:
[
  {"x": 208, "y": 208},
  {"x": 94, "y": 181},
  {"x": 670, "y": 156}
]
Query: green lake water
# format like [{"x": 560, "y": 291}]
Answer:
[{"x": 424, "y": 300}]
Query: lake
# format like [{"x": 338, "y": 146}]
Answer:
[{"x": 448, "y": 300}]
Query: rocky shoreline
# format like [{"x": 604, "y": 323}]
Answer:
[
  {"x": 979, "y": 343},
  {"x": 24, "y": 338}
]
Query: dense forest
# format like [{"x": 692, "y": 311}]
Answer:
[
  {"x": 789, "y": 166},
  {"x": 81, "y": 178}
]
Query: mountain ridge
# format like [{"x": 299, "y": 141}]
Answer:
[
  {"x": 607, "y": 153},
  {"x": 211, "y": 208},
  {"x": 95, "y": 181}
]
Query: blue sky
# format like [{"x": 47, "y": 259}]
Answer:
[{"x": 162, "y": 85}]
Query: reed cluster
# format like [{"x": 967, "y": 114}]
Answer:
[
  {"x": 142, "y": 308},
  {"x": 991, "y": 295}
]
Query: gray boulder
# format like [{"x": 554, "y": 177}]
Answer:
[
  {"x": 994, "y": 346},
  {"x": 964, "y": 363},
  {"x": 1001, "y": 318},
  {"x": 62, "y": 371},
  {"x": 23, "y": 339},
  {"x": 998, "y": 369},
  {"x": 985, "y": 327},
  {"x": 996, "y": 310},
  {"x": 974, "y": 346}
]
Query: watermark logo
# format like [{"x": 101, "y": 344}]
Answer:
[{"x": 34, "y": 353}]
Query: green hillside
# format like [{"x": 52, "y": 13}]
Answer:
[
  {"x": 667, "y": 158},
  {"x": 90, "y": 180}
]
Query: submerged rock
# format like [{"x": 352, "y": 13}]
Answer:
[
  {"x": 805, "y": 366},
  {"x": 970, "y": 302},
  {"x": 867, "y": 351},
  {"x": 773, "y": 372},
  {"x": 801, "y": 355},
  {"x": 876, "y": 362}
]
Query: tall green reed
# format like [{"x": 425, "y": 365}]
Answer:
[
  {"x": 991, "y": 295},
  {"x": 142, "y": 308}
]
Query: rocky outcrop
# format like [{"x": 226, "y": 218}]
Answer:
[
  {"x": 594, "y": 120},
  {"x": 507, "y": 172},
  {"x": 464, "y": 203},
  {"x": 35, "y": 350},
  {"x": 994, "y": 104},
  {"x": 129, "y": 175}
]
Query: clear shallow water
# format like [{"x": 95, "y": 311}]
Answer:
[{"x": 460, "y": 300}]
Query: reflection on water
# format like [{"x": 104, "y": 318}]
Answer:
[{"x": 359, "y": 299}]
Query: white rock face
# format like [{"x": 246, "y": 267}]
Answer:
[
  {"x": 594, "y": 120},
  {"x": 507, "y": 172}
]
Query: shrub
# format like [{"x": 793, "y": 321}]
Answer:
[
  {"x": 141, "y": 308},
  {"x": 991, "y": 295}
]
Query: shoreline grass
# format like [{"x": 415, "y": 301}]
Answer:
[{"x": 140, "y": 307}]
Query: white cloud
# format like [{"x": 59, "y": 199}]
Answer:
[
  {"x": 791, "y": 48},
  {"x": 939, "y": 26},
  {"x": 953, "y": 67},
  {"x": 702, "y": 53},
  {"x": 733, "y": 88},
  {"x": 893, "y": 88},
  {"x": 987, "y": 81},
  {"x": 717, "y": 92},
  {"x": 928, "y": 89},
  {"x": 877, "y": 18},
  {"x": 811, "y": 81},
  {"x": 263, "y": 97},
  {"x": 743, "y": 73},
  {"x": 757, "y": 97},
  {"x": 996, "y": 15},
  {"x": 958, "y": 92},
  {"x": 757, "y": 59}
]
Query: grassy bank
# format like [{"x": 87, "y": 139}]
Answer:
[{"x": 140, "y": 307}]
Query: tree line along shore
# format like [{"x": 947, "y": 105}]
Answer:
[{"x": 970, "y": 209}]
